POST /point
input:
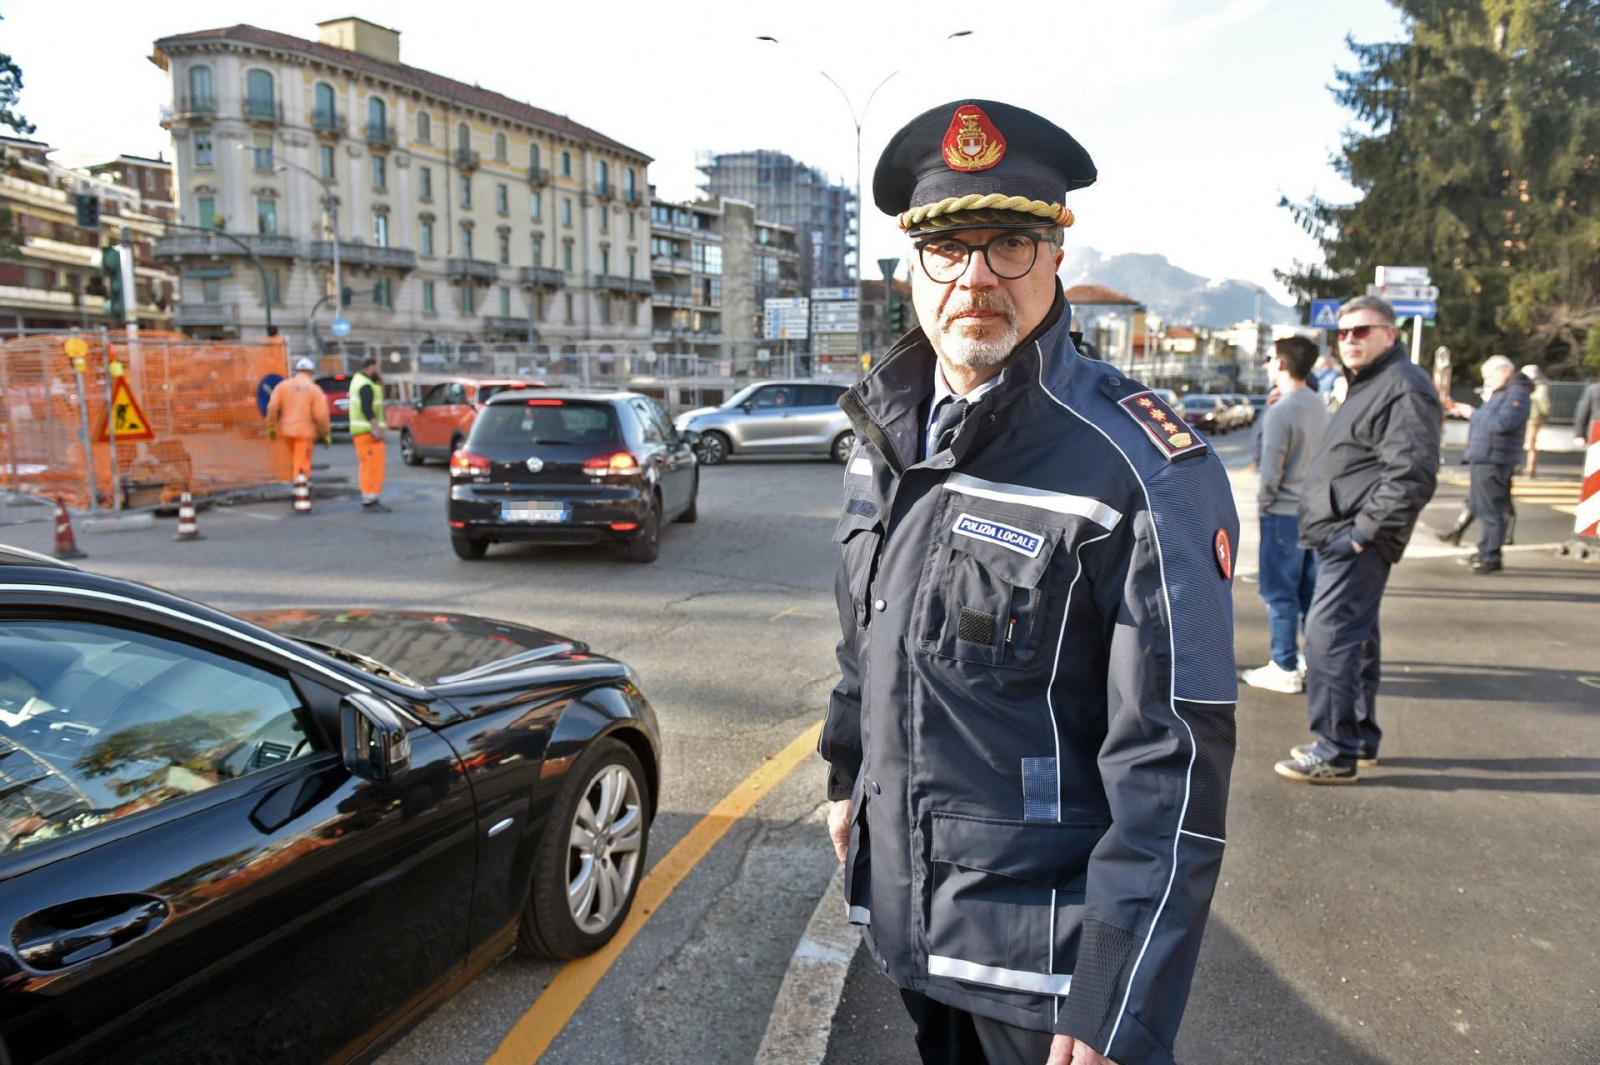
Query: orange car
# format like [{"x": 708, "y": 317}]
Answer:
[{"x": 434, "y": 426}]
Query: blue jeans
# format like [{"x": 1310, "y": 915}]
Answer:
[{"x": 1288, "y": 577}]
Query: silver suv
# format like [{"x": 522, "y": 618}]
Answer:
[{"x": 773, "y": 418}]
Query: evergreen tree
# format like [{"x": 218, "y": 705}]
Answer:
[
  {"x": 10, "y": 90},
  {"x": 1478, "y": 156}
]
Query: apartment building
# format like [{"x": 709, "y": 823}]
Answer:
[
  {"x": 454, "y": 216},
  {"x": 150, "y": 178},
  {"x": 50, "y": 266},
  {"x": 821, "y": 211},
  {"x": 714, "y": 264}
]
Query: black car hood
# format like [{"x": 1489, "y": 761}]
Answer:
[{"x": 433, "y": 649}]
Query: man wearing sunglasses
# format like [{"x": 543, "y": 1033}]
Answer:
[
  {"x": 1374, "y": 471},
  {"x": 1031, "y": 740}
]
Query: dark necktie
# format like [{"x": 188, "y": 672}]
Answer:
[{"x": 946, "y": 420}]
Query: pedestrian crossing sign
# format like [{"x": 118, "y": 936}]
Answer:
[
  {"x": 1324, "y": 314},
  {"x": 127, "y": 416}
]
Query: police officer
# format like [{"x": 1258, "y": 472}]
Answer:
[{"x": 1030, "y": 743}]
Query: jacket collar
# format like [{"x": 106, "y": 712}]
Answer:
[{"x": 1397, "y": 350}]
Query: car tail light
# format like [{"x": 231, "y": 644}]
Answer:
[
  {"x": 624, "y": 526},
  {"x": 545, "y": 402},
  {"x": 465, "y": 464},
  {"x": 619, "y": 464}
]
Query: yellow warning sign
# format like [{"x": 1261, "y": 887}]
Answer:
[
  {"x": 75, "y": 347},
  {"x": 125, "y": 415}
]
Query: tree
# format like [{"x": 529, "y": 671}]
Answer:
[
  {"x": 10, "y": 91},
  {"x": 1478, "y": 155}
]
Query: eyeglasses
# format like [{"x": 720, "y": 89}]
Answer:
[
  {"x": 1357, "y": 332},
  {"x": 1009, "y": 255}
]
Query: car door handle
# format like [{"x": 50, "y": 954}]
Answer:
[{"x": 76, "y": 931}]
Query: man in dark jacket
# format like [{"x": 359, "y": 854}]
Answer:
[
  {"x": 1494, "y": 447},
  {"x": 1031, "y": 739},
  {"x": 1374, "y": 472},
  {"x": 1587, "y": 414}
]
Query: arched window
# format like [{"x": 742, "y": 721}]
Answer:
[
  {"x": 602, "y": 174},
  {"x": 463, "y": 137},
  {"x": 259, "y": 99},
  {"x": 424, "y": 128},
  {"x": 377, "y": 119},
  {"x": 500, "y": 147},
  {"x": 628, "y": 184},
  {"x": 322, "y": 115},
  {"x": 200, "y": 98},
  {"x": 566, "y": 164}
]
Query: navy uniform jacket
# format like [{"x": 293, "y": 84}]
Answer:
[
  {"x": 1035, "y": 716},
  {"x": 1494, "y": 435}
]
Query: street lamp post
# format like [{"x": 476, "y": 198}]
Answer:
[{"x": 330, "y": 203}]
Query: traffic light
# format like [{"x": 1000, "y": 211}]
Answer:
[
  {"x": 899, "y": 317},
  {"x": 111, "y": 267},
  {"x": 88, "y": 206},
  {"x": 346, "y": 294}
]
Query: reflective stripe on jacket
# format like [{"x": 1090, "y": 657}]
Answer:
[
  {"x": 360, "y": 420},
  {"x": 1035, "y": 715},
  {"x": 298, "y": 407}
]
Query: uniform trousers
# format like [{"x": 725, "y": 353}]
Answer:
[
  {"x": 369, "y": 466},
  {"x": 1344, "y": 651},
  {"x": 1490, "y": 499},
  {"x": 950, "y": 1036},
  {"x": 300, "y": 456}
]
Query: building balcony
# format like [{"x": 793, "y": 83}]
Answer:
[
  {"x": 665, "y": 265},
  {"x": 605, "y": 190},
  {"x": 538, "y": 176},
  {"x": 548, "y": 276},
  {"x": 365, "y": 255},
  {"x": 325, "y": 121},
  {"x": 467, "y": 159},
  {"x": 607, "y": 283},
  {"x": 378, "y": 135},
  {"x": 633, "y": 197},
  {"x": 264, "y": 245},
  {"x": 501, "y": 325},
  {"x": 187, "y": 314},
  {"x": 185, "y": 108},
  {"x": 262, "y": 110},
  {"x": 471, "y": 269},
  {"x": 641, "y": 287}
]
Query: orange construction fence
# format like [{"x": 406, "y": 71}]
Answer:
[{"x": 194, "y": 418}]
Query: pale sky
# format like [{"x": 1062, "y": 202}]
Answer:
[{"x": 1199, "y": 114}]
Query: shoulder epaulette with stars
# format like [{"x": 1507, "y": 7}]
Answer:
[{"x": 1165, "y": 427}]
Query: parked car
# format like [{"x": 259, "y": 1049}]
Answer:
[
  {"x": 1207, "y": 412},
  {"x": 1244, "y": 415},
  {"x": 283, "y": 837},
  {"x": 561, "y": 467},
  {"x": 774, "y": 418},
  {"x": 337, "y": 388},
  {"x": 1258, "y": 402},
  {"x": 438, "y": 422}
]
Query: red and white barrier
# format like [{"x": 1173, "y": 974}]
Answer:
[{"x": 1588, "y": 523}]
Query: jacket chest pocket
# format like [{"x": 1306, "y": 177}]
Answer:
[
  {"x": 987, "y": 591},
  {"x": 858, "y": 535}
]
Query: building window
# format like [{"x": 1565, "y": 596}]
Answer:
[
  {"x": 566, "y": 211},
  {"x": 499, "y": 147},
  {"x": 425, "y": 182},
  {"x": 463, "y": 137},
  {"x": 538, "y": 252},
  {"x": 538, "y": 306},
  {"x": 425, "y": 231},
  {"x": 629, "y": 184},
  {"x": 633, "y": 258},
  {"x": 605, "y": 219},
  {"x": 465, "y": 184},
  {"x": 630, "y": 224},
  {"x": 380, "y": 229},
  {"x": 502, "y": 199},
  {"x": 566, "y": 164},
  {"x": 469, "y": 301},
  {"x": 505, "y": 302},
  {"x": 272, "y": 287},
  {"x": 204, "y": 155},
  {"x": 383, "y": 293},
  {"x": 533, "y": 156},
  {"x": 323, "y": 112},
  {"x": 266, "y": 215},
  {"x": 424, "y": 128},
  {"x": 633, "y": 312},
  {"x": 535, "y": 205},
  {"x": 569, "y": 308},
  {"x": 211, "y": 290},
  {"x": 205, "y": 209},
  {"x": 201, "y": 100},
  {"x": 605, "y": 310},
  {"x": 326, "y": 162},
  {"x": 261, "y": 151},
  {"x": 466, "y": 241},
  {"x": 505, "y": 249},
  {"x": 380, "y": 172},
  {"x": 428, "y": 306},
  {"x": 602, "y": 174},
  {"x": 708, "y": 258},
  {"x": 566, "y": 256},
  {"x": 605, "y": 262},
  {"x": 259, "y": 101},
  {"x": 377, "y": 120}
]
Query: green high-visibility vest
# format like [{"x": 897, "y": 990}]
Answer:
[{"x": 358, "y": 417}]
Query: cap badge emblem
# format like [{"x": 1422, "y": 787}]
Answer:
[{"x": 972, "y": 142}]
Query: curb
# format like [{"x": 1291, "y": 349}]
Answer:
[{"x": 802, "y": 1014}]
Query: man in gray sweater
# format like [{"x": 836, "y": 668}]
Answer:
[{"x": 1291, "y": 428}]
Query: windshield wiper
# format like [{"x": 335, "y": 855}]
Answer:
[{"x": 371, "y": 665}]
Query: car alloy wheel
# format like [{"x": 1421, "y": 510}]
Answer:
[
  {"x": 408, "y": 449},
  {"x": 714, "y": 448},
  {"x": 843, "y": 445},
  {"x": 592, "y": 857}
]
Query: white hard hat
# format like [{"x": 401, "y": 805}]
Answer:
[{"x": 304, "y": 364}]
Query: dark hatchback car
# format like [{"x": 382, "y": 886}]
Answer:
[
  {"x": 337, "y": 388},
  {"x": 249, "y": 841},
  {"x": 571, "y": 468},
  {"x": 1206, "y": 412}
]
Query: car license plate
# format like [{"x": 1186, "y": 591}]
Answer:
[{"x": 533, "y": 512}]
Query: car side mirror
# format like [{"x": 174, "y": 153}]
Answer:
[
  {"x": 690, "y": 437},
  {"x": 747, "y": 406},
  {"x": 416, "y": 404},
  {"x": 373, "y": 738}
]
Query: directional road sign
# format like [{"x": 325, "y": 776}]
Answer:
[
  {"x": 341, "y": 327},
  {"x": 1324, "y": 314},
  {"x": 1414, "y": 308},
  {"x": 848, "y": 293},
  {"x": 1403, "y": 275},
  {"x": 787, "y": 319},
  {"x": 1425, "y": 293}
]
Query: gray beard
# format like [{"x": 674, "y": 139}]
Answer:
[{"x": 965, "y": 351}]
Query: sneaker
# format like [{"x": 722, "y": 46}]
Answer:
[
  {"x": 1274, "y": 678},
  {"x": 1365, "y": 757},
  {"x": 375, "y": 507},
  {"x": 1300, "y": 664},
  {"x": 1309, "y": 769}
]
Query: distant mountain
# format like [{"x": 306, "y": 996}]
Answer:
[{"x": 1179, "y": 297}]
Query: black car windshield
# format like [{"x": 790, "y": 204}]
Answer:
[{"x": 545, "y": 421}]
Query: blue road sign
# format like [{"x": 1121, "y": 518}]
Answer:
[
  {"x": 1324, "y": 314},
  {"x": 341, "y": 327},
  {"x": 1414, "y": 308},
  {"x": 264, "y": 391}
]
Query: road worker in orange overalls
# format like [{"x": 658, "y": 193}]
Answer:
[{"x": 298, "y": 409}]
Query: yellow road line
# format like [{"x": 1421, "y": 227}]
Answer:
[{"x": 532, "y": 1035}]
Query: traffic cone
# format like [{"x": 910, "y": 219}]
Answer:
[
  {"x": 302, "y": 494},
  {"x": 66, "y": 544},
  {"x": 187, "y": 527}
]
